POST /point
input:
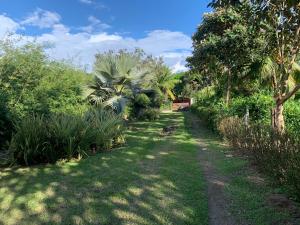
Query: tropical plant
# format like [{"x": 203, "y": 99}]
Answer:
[
  {"x": 29, "y": 145},
  {"x": 68, "y": 136},
  {"x": 117, "y": 75},
  {"x": 106, "y": 126},
  {"x": 164, "y": 80},
  {"x": 39, "y": 139}
]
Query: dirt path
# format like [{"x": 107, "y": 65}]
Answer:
[{"x": 218, "y": 202}]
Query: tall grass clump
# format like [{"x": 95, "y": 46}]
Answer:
[
  {"x": 40, "y": 139},
  {"x": 278, "y": 155},
  {"x": 68, "y": 135},
  {"x": 29, "y": 144},
  {"x": 106, "y": 127}
]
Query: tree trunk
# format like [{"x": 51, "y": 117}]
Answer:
[
  {"x": 278, "y": 119},
  {"x": 228, "y": 91}
]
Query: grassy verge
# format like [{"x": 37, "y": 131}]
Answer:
[
  {"x": 152, "y": 180},
  {"x": 245, "y": 187}
]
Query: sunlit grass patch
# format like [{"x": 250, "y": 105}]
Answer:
[{"x": 152, "y": 180}]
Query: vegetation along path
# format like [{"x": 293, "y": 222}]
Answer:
[{"x": 182, "y": 176}]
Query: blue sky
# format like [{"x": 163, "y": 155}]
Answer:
[{"x": 78, "y": 29}]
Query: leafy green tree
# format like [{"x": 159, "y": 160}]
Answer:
[
  {"x": 225, "y": 46},
  {"x": 279, "y": 21}
]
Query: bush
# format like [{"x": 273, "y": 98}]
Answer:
[
  {"x": 146, "y": 107},
  {"x": 106, "y": 126},
  {"x": 6, "y": 126},
  {"x": 29, "y": 145},
  {"x": 31, "y": 83},
  {"x": 157, "y": 99},
  {"x": 292, "y": 116},
  {"x": 212, "y": 114},
  {"x": 68, "y": 136},
  {"x": 45, "y": 140},
  {"x": 142, "y": 100},
  {"x": 259, "y": 106},
  {"x": 167, "y": 105},
  {"x": 275, "y": 154},
  {"x": 149, "y": 114}
]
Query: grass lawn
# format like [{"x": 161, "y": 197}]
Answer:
[{"x": 152, "y": 180}]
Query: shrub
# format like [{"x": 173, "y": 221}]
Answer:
[
  {"x": 167, "y": 105},
  {"x": 205, "y": 96},
  {"x": 259, "y": 106},
  {"x": 6, "y": 126},
  {"x": 146, "y": 107},
  {"x": 31, "y": 83},
  {"x": 212, "y": 114},
  {"x": 275, "y": 154},
  {"x": 149, "y": 114},
  {"x": 29, "y": 145},
  {"x": 68, "y": 136},
  {"x": 142, "y": 100},
  {"x": 292, "y": 116},
  {"x": 45, "y": 140},
  {"x": 157, "y": 99},
  {"x": 106, "y": 126}
]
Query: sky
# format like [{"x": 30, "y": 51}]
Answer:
[{"x": 75, "y": 30}]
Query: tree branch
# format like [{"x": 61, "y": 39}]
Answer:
[{"x": 290, "y": 94}]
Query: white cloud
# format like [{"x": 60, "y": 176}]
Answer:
[
  {"x": 160, "y": 41},
  {"x": 81, "y": 47},
  {"x": 97, "y": 5},
  {"x": 179, "y": 67},
  {"x": 103, "y": 37},
  {"x": 86, "y": 1},
  {"x": 8, "y": 25},
  {"x": 95, "y": 25},
  {"x": 42, "y": 19}
]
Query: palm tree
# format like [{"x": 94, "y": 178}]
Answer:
[
  {"x": 116, "y": 74},
  {"x": 165, "y": 81}
]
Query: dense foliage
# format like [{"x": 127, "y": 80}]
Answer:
[
  {"x": 40, "y": 139},
  {"x": 247, "y": 52},
  {"x": 44, "y": 116},
  {"x": 32, "y": 84},
  {"x": 245, "y": 46},
  {"x": 52, "y": 110},
  {"x": 131, "y": 83}
]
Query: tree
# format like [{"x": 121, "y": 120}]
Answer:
[
  {"x": 118, "y": 74},
  {"x": 164, "y": 80},
  {"x": 225, "y": 45},
  {"x": 279, "y": 21}
]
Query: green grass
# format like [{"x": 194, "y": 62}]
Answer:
[
  {"x": 247, "y": 194},
  {"x": 152, "y": 180}
]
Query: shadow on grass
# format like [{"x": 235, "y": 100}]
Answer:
[{"x": 151, "y": 180}]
